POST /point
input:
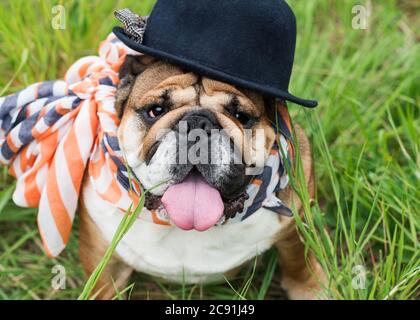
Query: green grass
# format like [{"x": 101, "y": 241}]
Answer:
[{"x": 365, "y": 136}]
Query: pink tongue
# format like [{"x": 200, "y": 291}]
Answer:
[{"x": 193, "y": 203}]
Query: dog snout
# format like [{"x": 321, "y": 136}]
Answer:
[{"x": 201, "y": 120}]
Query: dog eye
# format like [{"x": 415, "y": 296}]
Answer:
[
  {"x": 242, "y": 117},
  {"x": 155, "y": 111}
]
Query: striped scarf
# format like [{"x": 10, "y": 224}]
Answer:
[{"x": 54, "y": 133}]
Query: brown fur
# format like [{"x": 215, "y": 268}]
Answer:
[{"x": 92, "y": 248}]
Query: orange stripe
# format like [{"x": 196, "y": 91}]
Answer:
[
  {"x": 96, "y": 167},
  {"x": 134, "y": 197},
  {"x": 31, "y": 193},
  {"x": 156, "y": 219},
  {"x": 257, "y": 182},
  {"x": 44, "y": 242},
  {"x": 56, "y": 204},
  {"x": 81, "y": 87},
  {"x": 75, "y": 163},
  {"x": 10, "y": 143},
  {"x": 113, "y": 193},
  {"x": 60, "y": 109},
  {"x": 83, "y": 69},
  {"x": 31, "y": 160},
  {"x": 23, "y": 159}
]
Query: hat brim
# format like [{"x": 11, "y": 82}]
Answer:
[{"x": 211, "y": 72}]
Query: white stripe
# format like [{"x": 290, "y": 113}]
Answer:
[
  {"x": 46, "y": 223},
  {"x": 59, "y": 88},
  {"x": 72, "y": 75},
  {"x": 104, "y": 180},
  {"x": 66, "y": 189},
  {"x": 14, "y": 136},
  {"x": 27, "y": 95},
  {"x": 16, "y": 165},
  {"x": 19, "y": 194},
  {"x": 283, "y": 144},
  {"x": 35, "y": 106},
  {"x": 83, "y": 130},
  {"x": 284, "y": 181},
  {"x": 107, "y": 124},
  {"x": 41, "y": 126},
  {"x": 41, "y": 177}
]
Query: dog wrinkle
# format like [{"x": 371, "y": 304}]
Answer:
[
  {"x": 182, "y": 97},
  {"x": 211, "y": 87},
  {"x": 151, "y": 78},
  {"x": 181, "y": 81},
  {"x": 159, "y": 168},
  {"x": 215, "y": 102},
  {"x": 131, "y": 139},
  {"x": 166, "y": 122},
  {"x": 248, "y": 100}
]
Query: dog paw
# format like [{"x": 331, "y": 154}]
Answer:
[
  {"x": 312, "y": 288},
  {"x": 307, "y": 290}
]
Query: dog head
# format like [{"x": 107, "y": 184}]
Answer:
[{"x": 190, "y": 139}]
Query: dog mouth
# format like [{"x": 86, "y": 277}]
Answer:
[{"x": 195, "y": 204}]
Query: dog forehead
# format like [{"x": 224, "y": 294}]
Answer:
[
  {"x": 225, "y": 92},
  {"x": 152, "y": 77},
  {"x": 185, "y": 86}
]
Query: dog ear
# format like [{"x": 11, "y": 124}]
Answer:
[
  {"x": 130, "y": 69},
  {"x": 276, "y": 110},
  {"x": 270, "y": 105}
]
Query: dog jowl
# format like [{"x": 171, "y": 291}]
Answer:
[{"x": 192, "y": 139}]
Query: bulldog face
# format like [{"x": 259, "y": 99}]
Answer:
[{"x": 190, "y": 139}]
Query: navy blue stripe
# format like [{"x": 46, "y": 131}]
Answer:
[
  {"x": 9, "y": 103},
  {"x": 281, "y": 126},
  {"x": 121, "y": 166},
  {"x": 52, "y": 99},
  {"x": 25, "y": 131},
  {"x": 76, "y": 103},
  {"x": 113, "y": 142},
  {"x": 51, "y": 117},
  {"x": 281, "y": 209},
  {"x": 6, "y": 151},
  {"x": 46, "y": 89},
  {"x": 123, "y": 180},
  {"x": 106, "y": 82},
  {"x": 20, "y": 117},
  {"x": 6, "y": 123},
  {"x": 262, "y": 192}
]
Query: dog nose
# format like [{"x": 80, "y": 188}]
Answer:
[{"x": 201, "y": 120}]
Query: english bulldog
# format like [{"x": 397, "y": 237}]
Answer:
[{"x": 154, "y": 99}]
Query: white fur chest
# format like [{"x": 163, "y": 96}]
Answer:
[{"x": 190, "y": 256}]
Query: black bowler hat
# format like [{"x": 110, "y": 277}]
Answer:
[{"x": 248, "y": 43}]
